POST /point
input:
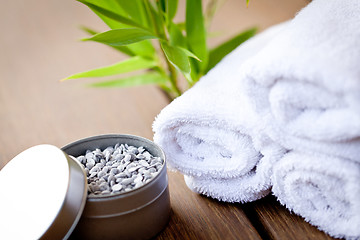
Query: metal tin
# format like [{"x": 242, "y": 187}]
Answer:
[
  {"x": 137, "y": 214},
  {"x": 43, "y": 193}
]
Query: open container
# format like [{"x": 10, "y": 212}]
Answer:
[
  {"x": 56, "y": 205},
  {"x": 138, "y": 214}
]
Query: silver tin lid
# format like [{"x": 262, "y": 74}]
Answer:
[{"x": 43, "y": 194}]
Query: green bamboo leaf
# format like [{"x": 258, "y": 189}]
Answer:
[
  {"x": 225, "y": 48},
  {"x": 135, "y": 10},
  {"x": 129, "y": 65},
  {"x": 176, "y": 36},
  {"x": 110, "y": 6},
  {"x": 144, "y": 48},
  {"x": 195, "y": 31},
  {"x": 177, "y": 57},
  {"x": 190, "y": 54},
  {"x": 181, "y": 26},
  {"x": 121, "y": 37},
  {"x": 124, "y": 49},
  {"x": 162, "y": 5},
  {"x": 147, "y": 78},
  {"x": 88, "y": 30},
  {"x": 112, "y": 15},
  {"x": 156, "y": 17},
  {"x": 194, "y": 72},
  {"x": 171, "y": 8}
]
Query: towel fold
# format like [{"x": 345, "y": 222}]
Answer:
[
  {"x": 252, "y": 186},
  {"x": 211, "y": 134},
  {"x": 324, "y": 190},
  {"x": 305, "y": 83}
]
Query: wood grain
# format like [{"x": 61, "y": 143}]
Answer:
[
  {"x": 279, "y": 223},
  {"x": 198, "y": 217}
]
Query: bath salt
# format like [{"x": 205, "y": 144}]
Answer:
[{"x": 117, "y": 169}]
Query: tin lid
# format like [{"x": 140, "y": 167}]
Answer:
[{"x": 42, "y": 196}]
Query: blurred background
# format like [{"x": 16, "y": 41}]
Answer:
[{"x": 39, "y": 45}]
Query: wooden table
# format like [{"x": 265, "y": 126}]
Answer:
[{"x": 39, "y": 46}]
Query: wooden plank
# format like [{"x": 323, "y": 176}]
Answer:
[
  {"x": 274, "y": 221},
  {"x": 198, "y": 217}
]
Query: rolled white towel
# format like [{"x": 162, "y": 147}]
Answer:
[
  {"x": 306, "y": 82},
  {"x": 210, "y": 132},
  {"x": 249, "y": 187},
  {"x": 324, "y": 190}
]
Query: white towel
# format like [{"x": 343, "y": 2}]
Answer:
[
  {"x": 306, "y": 85},
  {"x": 211, "y": 134},
  {"x": 306, "y": 82},
  {"x": 324, "y": 190}
]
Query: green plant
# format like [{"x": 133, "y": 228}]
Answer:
[{"x": 146, "y": 32}]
